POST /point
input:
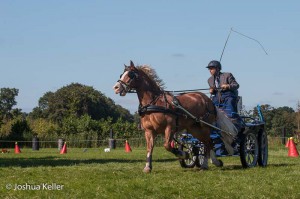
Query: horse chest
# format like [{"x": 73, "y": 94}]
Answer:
[{"x": 156, "y": 121}]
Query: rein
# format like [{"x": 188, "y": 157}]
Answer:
[
  {"x": 177, "y": 91},
  {"x": 192, "y": 90}
]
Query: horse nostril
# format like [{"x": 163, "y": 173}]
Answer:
[{"x": 116, "y": 87}]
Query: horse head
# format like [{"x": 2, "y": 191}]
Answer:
[{"x": 127, "y": 80}]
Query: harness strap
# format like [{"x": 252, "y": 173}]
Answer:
[{"x": 153, "y": 108}]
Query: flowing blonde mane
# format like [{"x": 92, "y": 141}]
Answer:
[{"x": 151, "y": 73}]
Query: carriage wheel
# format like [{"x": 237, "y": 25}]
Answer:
[
  {"x": 191, "y": 160},
  {"x": 249, "y": 150},
  {"x": 262, "y": 149}
]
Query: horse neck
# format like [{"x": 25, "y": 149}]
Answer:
[{"x": 147, "y": 93}]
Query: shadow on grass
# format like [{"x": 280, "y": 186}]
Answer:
[
  {"x": 240, "y": 167},
  {"x": 55, "y": 161},
  {"x": 282, "y": 165},
  {"x": 233, "y": 168}
]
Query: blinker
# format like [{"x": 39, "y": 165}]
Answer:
[{"x": 131, "y": 74}]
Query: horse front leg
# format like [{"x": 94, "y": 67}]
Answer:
[{"x": 150, "y": 145}]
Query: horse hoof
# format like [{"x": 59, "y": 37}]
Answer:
[
  {"x": 220, "y": 163},
  {"x": 204, "y": 166},
  {"x": 147, "y": 170}
]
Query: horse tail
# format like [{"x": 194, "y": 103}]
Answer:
[{"x": 230, "y": 131}]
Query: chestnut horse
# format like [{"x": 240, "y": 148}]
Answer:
[{"x": 159, "y": 115}]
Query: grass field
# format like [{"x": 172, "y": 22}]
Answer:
[{"x": 96, "y": 174}]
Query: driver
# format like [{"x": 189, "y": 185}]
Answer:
[{"x": 223, "y": 88}]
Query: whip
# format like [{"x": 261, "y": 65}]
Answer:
[{"x": 231, "y": 30}]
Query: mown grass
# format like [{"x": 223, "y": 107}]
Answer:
[{"x": 96, "y": 174}]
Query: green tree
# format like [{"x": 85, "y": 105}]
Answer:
[
  {"x": 77, "y": 100},
  {"x": 105, "y": 126},
  {"x": 124, "y": 129},
  {"x": 7, "y": 101},
  {"x": 15, "y": 129},
  {"x": 43, "y": 128},
  {"x": 277, "y": 118},
  {"x": 283, "y": 118}
]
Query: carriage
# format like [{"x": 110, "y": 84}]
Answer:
[{"x": 250, "y": 144}]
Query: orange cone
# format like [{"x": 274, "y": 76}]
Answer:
[
  {"x": 17, "y": 149},
  {"x": 127, "y": 147},
  {"x": 64, "y": 149},
  {"x": 293, "y": 149}
]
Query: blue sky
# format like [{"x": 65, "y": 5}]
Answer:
[{"x": 45, "y": 45}]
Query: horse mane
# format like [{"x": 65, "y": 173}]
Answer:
[{"x": 151, "y": 73}]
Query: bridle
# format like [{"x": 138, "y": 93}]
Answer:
[{"x": 126, "y": 86}]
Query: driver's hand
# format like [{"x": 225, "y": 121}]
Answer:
[
  {"x": 211, "y": 90},
  {"x": 225, "y": 86}
]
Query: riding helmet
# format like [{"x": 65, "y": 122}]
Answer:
[{"x": 215, "y": 64}]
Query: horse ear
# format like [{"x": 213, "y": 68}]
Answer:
[{"x": 131, "y": 64}]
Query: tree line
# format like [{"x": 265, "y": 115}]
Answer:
[
  {"x": 81, "y": 112},
  {"x": 278, "y": 118},
  {"x": 74, "y": 110}
]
